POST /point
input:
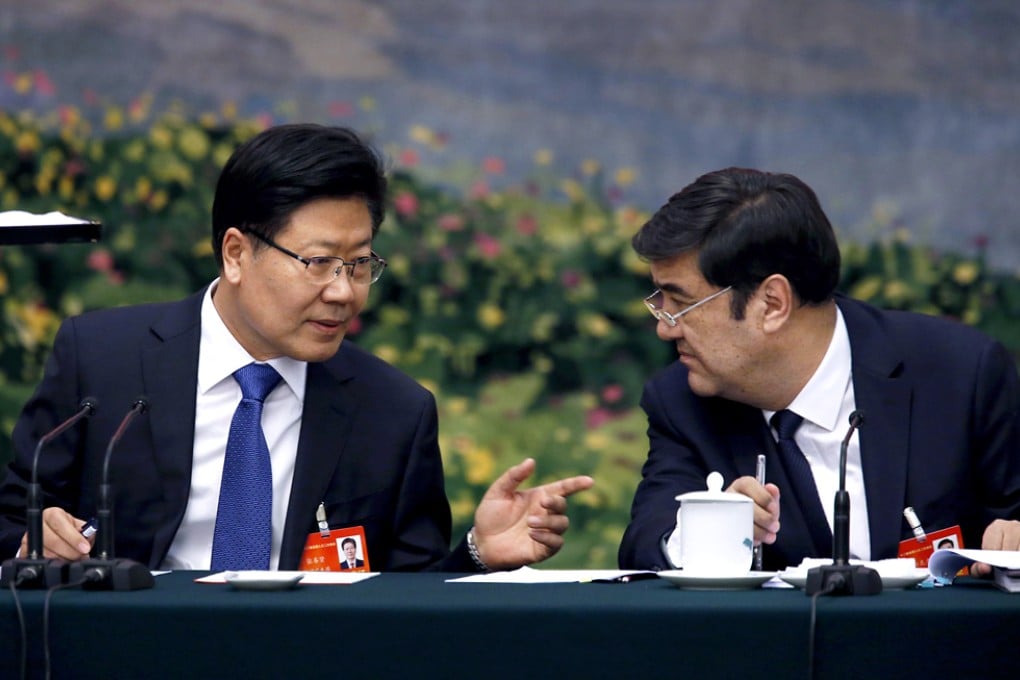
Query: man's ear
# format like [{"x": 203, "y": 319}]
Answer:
[
  {"x": 779, "y": 302},
  {"x": 235, "y": 248}
]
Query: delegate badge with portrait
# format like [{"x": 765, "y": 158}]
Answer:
[
  {"x": 335, "y": 549},
  {"x": 921, "y": 550}
]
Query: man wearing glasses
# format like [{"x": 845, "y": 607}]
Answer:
[
  {"x": 772, "y": 361},
  {"x": 261, "y": 417}
]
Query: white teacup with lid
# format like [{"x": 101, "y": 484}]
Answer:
[{"x": 716, "y": 531}]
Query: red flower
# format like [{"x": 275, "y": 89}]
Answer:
[
  {"x": 570, "y": 278},
  {"x": 43, "y": 84},
  {"x": 100, "y": 260},
  {"x": 527, "y": 225},
  {"x": 339, "y": 109},
  {"x": 493, "y": 165},
  {"x": 479, "y": 190},
  {"x": 488, "y": 246},
  {"x": 612, "y": 393},
  {"x": 450, "y": 222},
  {"x": 409, "y": 157},
  {"x": 597, "y": 417},
  {"x": 406, "y": 204}
]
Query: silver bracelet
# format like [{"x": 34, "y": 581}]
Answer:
[{"x": 473, "y": 551}]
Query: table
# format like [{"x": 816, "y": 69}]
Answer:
[{"x": 416, "y": 625}]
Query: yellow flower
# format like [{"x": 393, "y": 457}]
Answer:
[
  {"x": 105, "y": 187},
  {"x": 490, "y": 316},
  {"x": 35, "y": 323},
  {"x": 965, "y": 273},
  {"x": 193, "y": 143},
  {"x": 27, "y": 142},
  {"x": 596, "y": 441},
  {"x": 114, "y": 118},
  {"x": 367, "y": 103},
  {"x": 143, "y": 188},
  {"x": 65, "y": 189},
  {"x": 207, "y": 119},
  {"x": 3, "y": 283},
  {"x": 229, "y": 110},
  {"x": 595, "y": 325},
  {"x": 159, "y": 200},
  {"x": 626, "y": 176},
  {"x": 421, "y": 134},
  {"x": 543, "y": 157},
  {"x": 203, "y": 248},
  {"x": 23, "y": 83},
  {"x": 867, "y": 288},
  {"x": 387, "y": 353},
  {"x": 590, "y": 166},
  {"x": 135, "y": 151},
  {"x": 897, "y": 292},
  {"x": 161, "y": 137},
  {"x": 479, "y": 464},
  {"x": 456, "y": 405},
  {"x": 573, "y": 190}
]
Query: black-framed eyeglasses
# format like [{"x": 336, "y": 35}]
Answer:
[
  {"x": 323, "y": 269},
  {"x": 654, "y": 304}
]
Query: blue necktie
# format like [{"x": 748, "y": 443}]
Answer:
[
  {"x": 244, "y": 517},
  {"x": 798, "y": 472}
]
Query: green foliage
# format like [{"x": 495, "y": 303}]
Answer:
[{"x": 520, "y": 307}]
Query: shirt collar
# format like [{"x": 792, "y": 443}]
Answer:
[
  {"x": 822, "y": 397},
  {"x": 221, "y": 354}
]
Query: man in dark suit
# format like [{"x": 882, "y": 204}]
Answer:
[
  {"x": 294, "y": 215},
  {"x": 349, "y": 548},
  {"x": 746, "y": 265}
]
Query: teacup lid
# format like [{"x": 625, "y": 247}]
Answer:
[{"x": 715, "y": 494}]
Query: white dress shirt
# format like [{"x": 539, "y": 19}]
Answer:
[
  {"x": 216, "y": 399},
  {"x": 825, "y": 403}
]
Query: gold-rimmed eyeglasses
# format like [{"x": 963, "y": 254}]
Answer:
[
  {"x": 654, "y": 304},
  {"x": 323, "y": 269}
]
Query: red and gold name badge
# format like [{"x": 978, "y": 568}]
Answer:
[
  {"x": 335, "y": 549},
  {"x": 921, "y": 550}
]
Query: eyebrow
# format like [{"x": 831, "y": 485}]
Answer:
[{"x": 674, "y": 289}]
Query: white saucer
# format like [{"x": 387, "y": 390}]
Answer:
[
  {"x": 798, "y": 577},
  {"x": 752, "y": 579},
  {"x": 262, "y": 580}
]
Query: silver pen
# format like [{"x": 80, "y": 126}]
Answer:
[{"x": 759, "y": 475}]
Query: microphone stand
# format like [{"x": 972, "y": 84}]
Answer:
[
  {"x": 104, "y": 572},
  {"x": 34, "y": 571},
  {"x": 841, "y": 577}
]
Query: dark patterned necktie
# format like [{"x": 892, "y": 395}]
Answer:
[
  {"x": 798, "y": 471},
  {"x": 244, "y": 518}
]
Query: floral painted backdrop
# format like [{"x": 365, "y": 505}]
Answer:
[{"x": 512, "y": 291}]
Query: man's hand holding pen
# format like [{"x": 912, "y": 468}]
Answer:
[{"x": 766, "y": 506}]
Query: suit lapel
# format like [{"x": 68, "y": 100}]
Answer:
[
  {"x": 885, "y": 399},
  {"x": 329, "y": 413},
  {"x": 170, "y": 372}
]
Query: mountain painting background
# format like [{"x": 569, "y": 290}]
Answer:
[{"x": 898, "y": 112}]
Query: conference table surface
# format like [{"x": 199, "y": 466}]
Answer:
[{"x": 418, "y": 625}]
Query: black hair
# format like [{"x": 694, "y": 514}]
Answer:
[
  {"x": 745, "y": 226},
  {"x": 286, "y": 167}
]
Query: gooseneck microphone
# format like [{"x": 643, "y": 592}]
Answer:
[
  {"x": 32, "y": 571},
  {"x": 840, "y": 577},
  {"x": 105, "y": 572}
]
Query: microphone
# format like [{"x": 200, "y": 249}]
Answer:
[
  {"x": 840, "y": 577},
  {"x": 105, "y": 572},
  {"x": 33, "y": 571}
]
